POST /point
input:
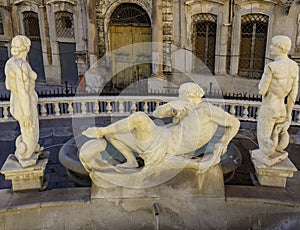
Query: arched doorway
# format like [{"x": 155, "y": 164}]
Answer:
[{"x": 130, "y": 43}]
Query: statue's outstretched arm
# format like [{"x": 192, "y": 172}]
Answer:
[
  {"x": 163, "y": 111},
  {"x": 226, "y": 120}
]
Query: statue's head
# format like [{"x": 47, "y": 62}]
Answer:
[
  {"x": 20, "y": 44},
  {"x": 280, "y": 44},
  {"x": 190, "y": 90}
]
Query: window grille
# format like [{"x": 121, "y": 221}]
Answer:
[
  {"x": 254, "y": 31},
  {"x": 204, "y": 39},
  {"x": 64, "y": 25},
  {"x": 31, "y": 25},
  {"x": 1, "y": 25},
  {"x": 127, "y": 13}
]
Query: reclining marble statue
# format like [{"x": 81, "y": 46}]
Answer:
[
  {"x": 279, "y": 81},
  {"x": 20, "y": 80},
  {"x": 161, "y": 147}
]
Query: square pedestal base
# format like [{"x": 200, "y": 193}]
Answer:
[
  {"x": 25, "y": 178},
  {"x": 275, "y": 175}
]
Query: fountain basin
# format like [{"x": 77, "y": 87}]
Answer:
[{"x": 69, "y": 158}]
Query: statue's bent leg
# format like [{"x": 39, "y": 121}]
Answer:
[
  {"x": 283, "y": 141},
  {"x": 265, "y": 127},
  {"x": 121, "y": 142},
  {"x": 127, "y": 135},
  {"x": 90, "y": 156}
]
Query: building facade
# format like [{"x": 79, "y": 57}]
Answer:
[{"x": 226, "y": 37}]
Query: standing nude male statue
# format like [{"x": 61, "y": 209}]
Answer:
[{"x": 279, "y": 81}]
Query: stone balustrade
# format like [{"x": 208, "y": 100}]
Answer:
[{"x": 68, "y": 107}]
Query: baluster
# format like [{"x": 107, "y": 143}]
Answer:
[
  {"x": 83, "y": 107},
  {"x": 108, "y": 107},
  {"x": 257, "y": 112},
  {"x": 70, "y": 108},
  {"x": 146, "y": 107},
  {"x": 5, "y": 112},
  {"x": 121, "y": 107},
  {"x": 56, "y": 109},
  {"x": 156, "y": 104},
  {"x": 43, "y": 110},
  {"x": 232, "y": 110},
  {"x": 245, "y": 111},
  {"x": 133, "y": 107},
  {"x": 96, "y": 107},
  {"x": 298, "y": 117}
]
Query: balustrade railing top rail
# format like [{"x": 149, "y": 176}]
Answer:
[{"x": 68, "y": 107}]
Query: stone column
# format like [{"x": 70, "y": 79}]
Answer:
[
  {"x": 157, "y": 39},
  {"x": 298, "y": 34},
  {"x": 47, "y": 56},
  {"x": 157, "y": 82},
  {"x": 92, "y": 32}
]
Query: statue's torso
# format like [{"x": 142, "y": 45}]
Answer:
[{"x": 194, "y": 131}]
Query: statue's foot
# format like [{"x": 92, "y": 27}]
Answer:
[
  {"x": 38, "y": 148},
  {"x": 25, "y": 163},
  {"x": 278, "y": 150},
  {"x": 275, "y": 158}
]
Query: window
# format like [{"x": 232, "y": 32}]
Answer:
[
  {"x": 31, "y": 25},
  {"x": 204, "y": 39},
  {"x": 128, "y": 13},
  {"x": 64, "y": 24},
  {"x": 254, "y": 30}
]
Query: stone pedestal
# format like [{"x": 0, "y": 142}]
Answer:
[
  {"x": 187, "y": 183},
  {"x": 25, "y": 178},
  {"x": 275, "y": 175}
]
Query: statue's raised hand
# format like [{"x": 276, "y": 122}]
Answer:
[{"x": 93, "y": 132}]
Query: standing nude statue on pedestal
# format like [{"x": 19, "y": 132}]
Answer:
[
  {"x": 20, "y": 80},
  {"x": 279, "y": 81},
  {"x": 195, "y": 123}
]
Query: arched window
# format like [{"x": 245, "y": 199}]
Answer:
[
  {"x": 64, "y": 25},
  {"x": 205, "y": 29},
  {"x": 254, "y": 31},
  {"x": 31, "y": 25},
  {"x": 127, "y": 13},
  {"x": 1, "y": 25}
]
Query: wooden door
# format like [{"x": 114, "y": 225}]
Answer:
[{"x": 131, "y": 54}]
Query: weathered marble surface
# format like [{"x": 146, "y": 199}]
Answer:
[
  {"x": 20, "y": 80},
  {"x": 162, "y": 149},
  {"x": 275, "y": 175},
  {"x": 25, "y": 178},
  {"x": 279, "y": 81}
]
